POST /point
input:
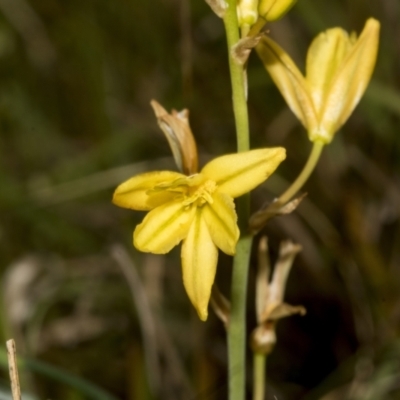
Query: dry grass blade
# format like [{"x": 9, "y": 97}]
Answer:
[
  {"x": 144, "y": 311},
  {"x": 12, "y": 364}
]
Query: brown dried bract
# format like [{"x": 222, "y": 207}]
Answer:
[
  {"x": 177, "y": 130},
  {"x": 218, "y": 6},
  {"x": 242, "y": 49},
  {"x": 220, "y": 305},
  {"x": 259, "y": 219},
  {"x": 270, "y": 306}
]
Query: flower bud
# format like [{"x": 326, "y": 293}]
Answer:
[
  {"x": 272, "y": 10},
  {"x": 338, "y": 69},
  {"x": 247, "y": 12}
]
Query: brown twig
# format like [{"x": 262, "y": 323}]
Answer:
[{"x": 12, "y": 365}]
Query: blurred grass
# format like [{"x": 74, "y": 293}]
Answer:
[{"x": 76, "y": 79}]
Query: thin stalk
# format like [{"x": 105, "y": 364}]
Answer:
[
  {"x": 244, "y": 30},
  {"x": 237, "y": 321},
  {"x": 256, "y": 28},
  {"x": 304, "y": 174},
  {"x": 237, "y": 80},
  {"x": 259, "y": 378}
]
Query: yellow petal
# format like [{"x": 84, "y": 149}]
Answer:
[
  {"x": 289, "y": 81},
  {"x": 163, "y": 228},
  {"x": 236, "y": 174},
  {"x": 221, "y": 219},
  {"x": 324, "y": 58},
  {"x": 199, "y": 264},
  {"x": 272, "y": 10},
  {"x": 133, "y": 193},
  {"x": 351, "y": 80}
]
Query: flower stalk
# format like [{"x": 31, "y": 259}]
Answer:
[
  {"x": 259, "y": 378},
  {"x": 237, "y": 79},
  {"x": 304, "y": 174},
  {"x": 237, "y": 322}
]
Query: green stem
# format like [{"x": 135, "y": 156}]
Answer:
[
  {"x": 304, "y": 174},
  {"x": 259, "y": 362},
  {"x": 237, "y": 80},
  {"x": 237, "y": 321}
]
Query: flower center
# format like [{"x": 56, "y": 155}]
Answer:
[
  {"x": 199, "y": 195},
  {"x": 194, "y": 189}
]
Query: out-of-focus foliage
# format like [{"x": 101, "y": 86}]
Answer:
[{"x": 76, "y": 79}]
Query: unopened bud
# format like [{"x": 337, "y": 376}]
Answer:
[
  {"x": 247, "y": 12},
  {"x": 272, "y": 10}
]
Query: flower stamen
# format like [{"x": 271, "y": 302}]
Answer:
[{"x": 201, "y": 194}]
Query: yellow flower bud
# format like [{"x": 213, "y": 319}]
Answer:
[
  {"x": 338, "y": 70},
  {"x": 247, "y": 12},
  {"x": 272, "y": 10}
]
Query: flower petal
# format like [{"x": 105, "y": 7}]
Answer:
[
  {"x": 133, "y": 192},
  {"x": 221, "y": 219},
  {"x": 352, "y": 79},
  {"x": 324, "y": 58},
  {"x": 163, "y": 228},
  {"x": 238, "y": 173},
  {"x": 199, "y": 264},
  {"x": 289, "y": 81}
]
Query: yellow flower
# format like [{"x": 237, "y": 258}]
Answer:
[
  {"x": 271, "y": 10},
  {"x": 197, "y": 209},
  {"x": 338, "y": 70}
]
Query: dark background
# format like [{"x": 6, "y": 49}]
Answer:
[{"x": 76, "y": 79}]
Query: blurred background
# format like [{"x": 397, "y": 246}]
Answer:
[{"x": 95, "y": 319}]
